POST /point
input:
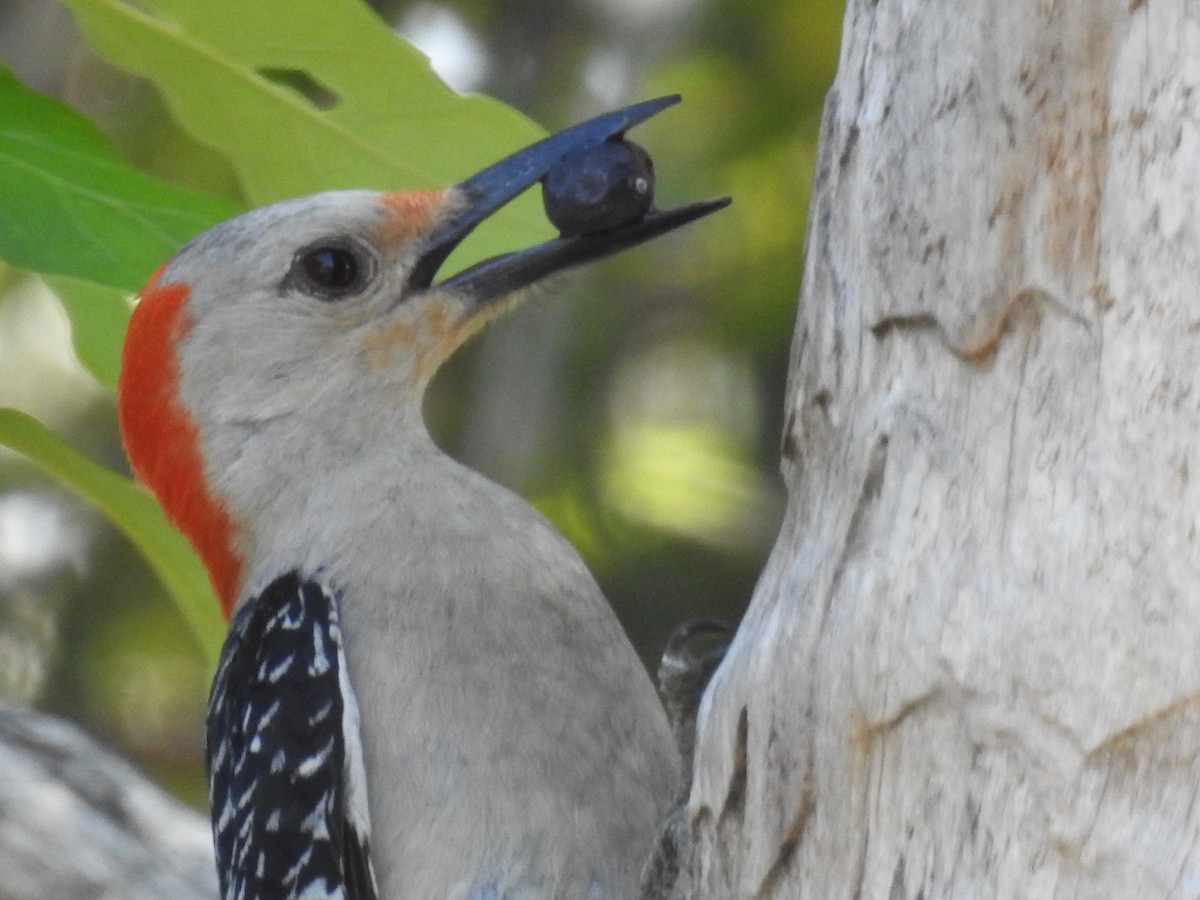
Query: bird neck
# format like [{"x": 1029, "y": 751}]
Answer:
[{"x": 304, "y": 491}]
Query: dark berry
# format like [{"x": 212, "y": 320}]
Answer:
[{"x": 599, "y": 189}]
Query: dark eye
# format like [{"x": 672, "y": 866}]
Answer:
[{"x": 331, "y": 270}]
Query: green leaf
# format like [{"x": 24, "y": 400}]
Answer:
[
  {"x": 99, "y": 316},
  {"x": 308, "y": 95},
  {"x": 72, "y": 207},
  {"x": 133, "y": 511}
]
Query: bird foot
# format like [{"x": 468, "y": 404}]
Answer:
[{"x": 693, "y": 652}]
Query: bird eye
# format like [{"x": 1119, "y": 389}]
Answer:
[{"x": 331, "y": 271}]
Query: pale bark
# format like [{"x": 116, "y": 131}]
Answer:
[
  {"x": 972, "y": 665},
  {"x": 78, "y": 822}
]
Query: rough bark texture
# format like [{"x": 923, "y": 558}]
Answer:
[
  {"x": 972, "y": 666},
  {"x": 77, "y": 822}
]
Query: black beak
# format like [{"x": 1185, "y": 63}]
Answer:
[{"x": 498, "y": 184}]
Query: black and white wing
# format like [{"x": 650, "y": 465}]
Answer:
[{"x": 284, "y": 757}]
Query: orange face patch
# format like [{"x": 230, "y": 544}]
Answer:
[
  {"x": 428, "y": 337},
  {"x": 408, "y": 214}
]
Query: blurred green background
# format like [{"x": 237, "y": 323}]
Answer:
[{"x": 637, "y": 403}]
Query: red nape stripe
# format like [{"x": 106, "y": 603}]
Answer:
[{"x": 161, "y": 438}]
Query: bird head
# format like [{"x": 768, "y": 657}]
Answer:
[{"x": 262, "y": 336}]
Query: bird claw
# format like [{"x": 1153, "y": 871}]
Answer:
[{"x": 693, "y": 652}]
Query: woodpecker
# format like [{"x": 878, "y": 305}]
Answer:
[{"x": 423, "y": 692}]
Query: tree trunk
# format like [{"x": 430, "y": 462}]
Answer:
[
  {"x": 971, "y": 667},
  {"x": 78, "y": 822}
]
